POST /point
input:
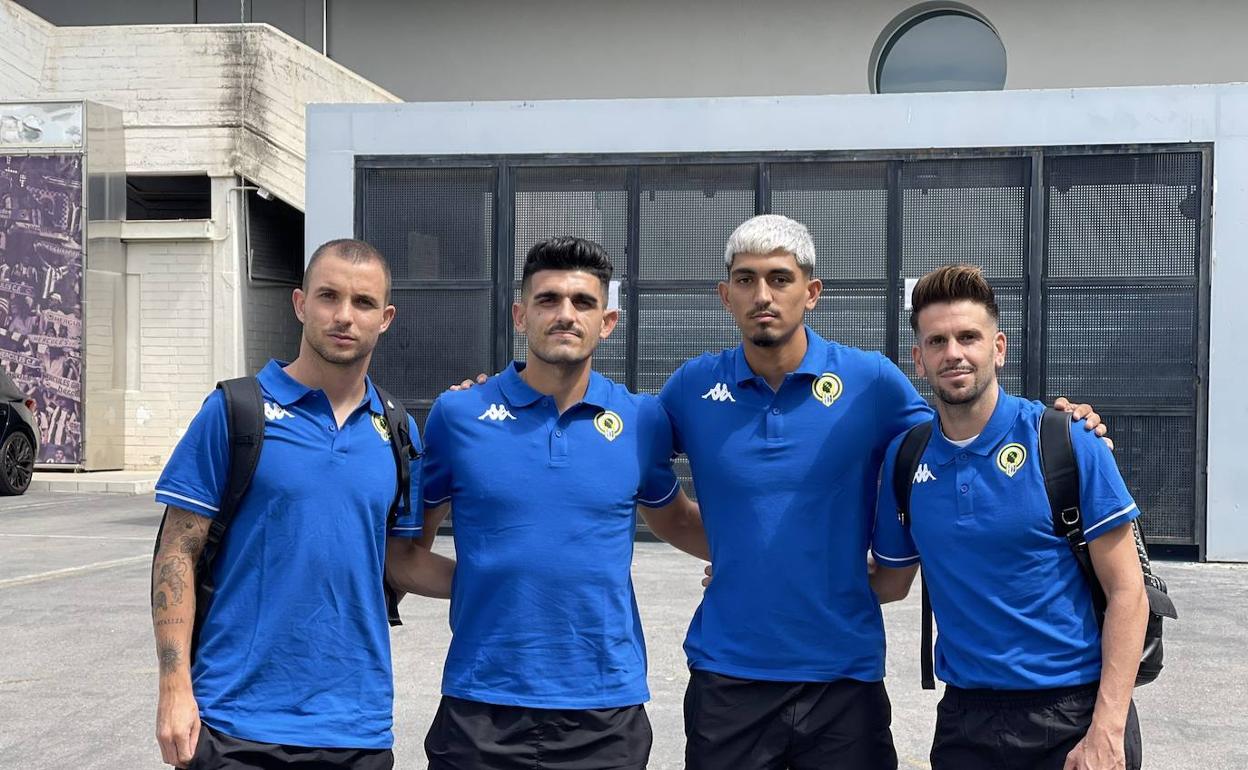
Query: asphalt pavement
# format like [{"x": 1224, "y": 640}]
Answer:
[{"x": 78, "y": 667}]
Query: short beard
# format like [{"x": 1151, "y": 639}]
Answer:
[
  {"x": 770, "y": 340},
  {"x": 331, "y": 356},
  {"x": 969, "y": 397},
  {"x": 561, "y": 361}
]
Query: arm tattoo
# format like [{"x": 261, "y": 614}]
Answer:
[
  {"x": 189, "y": 545},
  {"x": 170, "y": 657},
  {"x": 173, "y": 574},
  {"x": 160, "y": 602}
]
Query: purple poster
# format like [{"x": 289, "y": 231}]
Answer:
[{"x": 41, "y": 261}]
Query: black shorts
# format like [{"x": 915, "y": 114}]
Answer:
[
  {"x": 469, "y": 735},
  {"x": 218, "y": 751},
  {"x": 747, "y": 724},
  {"x": 1003, "y": 730}
]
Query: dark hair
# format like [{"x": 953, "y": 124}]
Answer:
[
  {"x": 567, "y": 252},
  {"x": 952, "y": 283},
  {"x": 355, "y": 252}
]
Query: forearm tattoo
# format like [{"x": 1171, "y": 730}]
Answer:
[
  {"x": 173, "y": 574},
  {"x": 170, "y": 656}
]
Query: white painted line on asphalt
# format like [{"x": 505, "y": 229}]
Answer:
[
  {"x": 78, "y": 537},
  {"x": 68, "y": 571}
]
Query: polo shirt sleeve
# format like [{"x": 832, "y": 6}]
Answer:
[
  {"x": 194, "y": 478},
  {"x": 409, "y": 522},
  {"x": 658, "y": 483},
  {"x": 891, "y": 543},
  {"x": 1103, "y": 496},
  {"x": 436, "y": 480},
  {"x": 669, "y": 397},
  {"x": 898, "y": 406}
]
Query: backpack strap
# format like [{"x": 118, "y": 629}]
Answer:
[
  {"x": 907, "y": 464},
  {"x": 244, "y": 417},
  {"x": 1061, "y": 483},
  {"x": 904, "y": 470},
  {"x": 404, "y": 452},
  {"x": 244, "y": 414}
]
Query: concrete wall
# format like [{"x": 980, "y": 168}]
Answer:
[
  {"x": 23, "y": 46},
  {"x": 210, "y": 98},
  {"x": 174, "y": 370},
  {"x": 167, "y": 314},
  {"x": 548, "y": 49},
  {"x": 1217, "y": 114}
]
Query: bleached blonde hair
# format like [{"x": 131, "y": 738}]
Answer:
[{"x": 768, "y": 233}]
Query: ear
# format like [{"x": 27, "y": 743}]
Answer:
[
  {"x": 297, "y": 299},
  {"x": 918, "y": 360},
  {"x": 517, "y": 316},
  {"x": 609, "y": 319},
  {"x": 814, "y": 288},
  {"x": 999, "y": 346},
  {"x": 387, "y": 317},
  {"x": 723, "y": 295}
]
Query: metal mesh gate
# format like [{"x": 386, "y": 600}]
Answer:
[{"x": 1099, "y": 258}]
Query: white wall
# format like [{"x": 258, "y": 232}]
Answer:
[{"x": 1218, "y": 114}]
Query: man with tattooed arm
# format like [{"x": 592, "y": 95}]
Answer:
[{"x": 292, "y": 663}]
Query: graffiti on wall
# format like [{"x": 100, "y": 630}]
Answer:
[{"x": 41, "y": 261}]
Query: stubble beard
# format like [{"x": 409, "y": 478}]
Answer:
[
  {"x": 966, "y": 398},
  {"x": 560, "y": 356},
  {"x": 343, "y": 358}
]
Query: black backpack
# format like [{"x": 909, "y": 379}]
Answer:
[
  {"x": 1061, "y": 483},
  {"x": 244, "y": 409}
]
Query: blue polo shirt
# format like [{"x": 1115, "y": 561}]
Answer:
[
  {"x": 296, "y": 647},
  {"x": 542, "y": 609},
  {"x": 786, "y": 481},
  {"x": 1014, "y": 610}
]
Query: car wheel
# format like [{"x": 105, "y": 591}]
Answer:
[{"x": 18, "y": 459}]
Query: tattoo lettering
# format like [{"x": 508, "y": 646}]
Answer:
[
  {"x": 170, "y": 622},
  {"x": 170, "y": 657},
  {"x": 173, "y": 574}
]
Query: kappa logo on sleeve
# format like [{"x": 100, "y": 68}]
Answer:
[{"x": 497, "y": 413}]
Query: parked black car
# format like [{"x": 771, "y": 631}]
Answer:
[{"x": 19, "y": 439}]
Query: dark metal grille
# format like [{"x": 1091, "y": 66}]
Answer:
[
  {"x": 436, "y": 227},
  {"x": 971, "y": 211},
  {"x": 1157, "y": 457},
  {"x": 432, "y": 224},
  {"x": 439, "y": 337},
  {"x": 855, "y": 317},
  {"x": 1099, "y": 262},
  {"x": 673, "y": 328},
  {"x": 1122, "y": 321},
  {"x": 1124, "y": 216},
  {"x": 686, "y": 216},
  {"x": 845, "y": 206},
  {"x": 1122, "y": 345},
  {"x": 587, "y": 202}
]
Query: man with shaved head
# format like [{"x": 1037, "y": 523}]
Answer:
[{"x": 292, "y": 663}]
